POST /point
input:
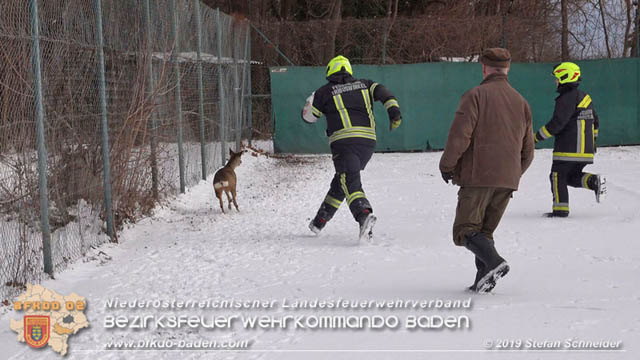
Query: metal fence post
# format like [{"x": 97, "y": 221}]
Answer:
[
  {"x": 244, "y": 81},
  {"x": 153, "y": 125},
  {"x": 203, "y": 154},
  {"x": 249, "y": 111},
  {"x": 221, "y": 88},
  {"x": 236, "y": 102},
  {"x": 176, "y": 49},
  {"x": 104, "y": 123},
  {"x": 42, "y": 149}
]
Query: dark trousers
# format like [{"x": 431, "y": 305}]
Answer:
[
  {"x": 563, "y": 174},
  {"x": 348, "y": 160},
  {"x": 479, "y": 210}
]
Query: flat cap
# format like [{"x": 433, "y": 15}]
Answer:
[{"x": 496, "y": 57}]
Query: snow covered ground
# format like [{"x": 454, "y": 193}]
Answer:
[{"x": 574, "y": 278}]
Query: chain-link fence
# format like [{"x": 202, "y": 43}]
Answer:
[
  {"x": 405, "y": 40},
  {"x": 158, "y": 86},
  {"x": 262, "y": 114}
]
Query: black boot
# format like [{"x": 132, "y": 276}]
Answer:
[
  {"x": 597, "y": 183},
  {"x": 317, "y": 224},
  {"x": 557, "y": 214},
  {"x": 495, "y": 267},
  {"x": 480, "y": 272},
  {"x": 325, "y": 213},
  {"x": 366, "y": 220}
]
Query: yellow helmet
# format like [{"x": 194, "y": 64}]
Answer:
[
  {"x": 339, "y": 63},
  {"x": 567, "y": 72}
]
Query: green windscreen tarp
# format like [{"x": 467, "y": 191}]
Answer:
[{"x": 429, "y": 93}]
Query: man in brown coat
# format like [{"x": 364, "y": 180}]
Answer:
[{"x": 490, "y": 146}]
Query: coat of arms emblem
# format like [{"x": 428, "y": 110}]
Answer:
[{"x": 36, "y": 330}]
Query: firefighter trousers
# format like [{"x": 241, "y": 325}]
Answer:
[
  {"x": 563, "y": 174},
  {"x": 348, "y": 160}
]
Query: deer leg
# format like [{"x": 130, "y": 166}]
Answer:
[
  {"x": 219, "y": 196},
  {"x": 228, "y": 198},
  {"x": 233, "y": 192}
]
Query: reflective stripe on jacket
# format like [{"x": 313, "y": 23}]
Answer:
[
  {"x": 574, "y": 125},
  {"x": 347, "y": 103}
]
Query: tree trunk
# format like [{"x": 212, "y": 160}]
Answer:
[
  {"x": 565, "y": 30},
  {"x": 627, "y": 29},
  {"x": 604, "y": 28},
  {"x": 633, "y": 36},
  {"x": 282, "y": 9},
  {"x": 392, "y": 13},
  {"x": 335, "y": 19}
]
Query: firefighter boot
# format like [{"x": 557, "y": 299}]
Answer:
[
  {"x": 325, "y": 213},
  {"x": 366, "y": 220},
  {"x": 598, "y": 184}
]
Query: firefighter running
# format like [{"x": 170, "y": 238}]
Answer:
[
  {"x": 347, "y": 104},
  {"x": 575, "y": 127}
]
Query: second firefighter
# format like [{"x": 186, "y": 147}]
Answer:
[{"x": 575, "y": 127}]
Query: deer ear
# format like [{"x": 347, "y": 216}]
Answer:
[{"x": 231, "y": 152}]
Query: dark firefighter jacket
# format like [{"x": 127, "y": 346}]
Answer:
[
  {"x": 574, "y": 125},
  {"x": 347, "y": 104}
]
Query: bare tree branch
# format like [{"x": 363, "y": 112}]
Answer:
[{"x": 604, "y": 28}]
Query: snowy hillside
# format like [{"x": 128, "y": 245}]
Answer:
[{"x": 574, "y": 278}]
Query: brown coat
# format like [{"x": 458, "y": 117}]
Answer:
[{"x": 490, "y": 142}]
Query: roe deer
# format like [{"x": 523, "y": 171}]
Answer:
[{"x": 225, "y": 180}]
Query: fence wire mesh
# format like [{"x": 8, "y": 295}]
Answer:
[{"x": 144, "y": 105}]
